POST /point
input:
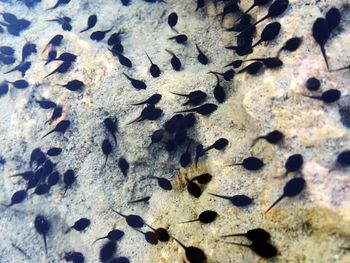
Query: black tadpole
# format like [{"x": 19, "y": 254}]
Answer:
[
  {"x": 193, "y": 254},
  {"x": 269, "y": 33},
  {"x": 113, "y": 235},
  {"x": 251, "y": 164},
  {"x": 205, "y": 109},
  {"x": 61, "y": 127},
  {"x": 186, "y": 158},
  {"x": 68, "y": 179},
  {"x": 321, "y": 32},
  {"x": 291, "y": 45},
  {"x": 205, "y": 217},
  {"x": 263, "y": 249},
  {"x": 202, "y": 58},
  {"x": 227, "y": 75},
  {"x": 123, "y": 166},
  {"x": 150, "y": 237},
  {"x": 194, "y": 189},
  {"x": 175, "y": 61},
  {"x": 236, "y": 200},
  {"x": 294, "y": 163},
  {"x": 17, "y": 197},
  {"x": 255, "y": 235},
  {"x": 137, "y": 84},
  {"x": 154, "y": 69},
  {"x": 132, "y": 220},
  {"x": 92, "y": 20},
  {"x": 219, "y": 144},
  {"x": 111, "y": 126},
  {"x": 152, "y": 100},
  {"x": 195, "y": 98},
  {"x": 163, "y": 183},
  {"x": 180, "y": 39},
  {"x": 329, "y": 96},
  {"x": 343, "y": 158},
  {"x": 293, "y": 187},
  {"x": 273, "y": 137},
  {"x": 219, "y": 91},
  {"x": 202, "y": 179},
  {"x": 42, "y": 226},
  {"x": 106, "y": 149},
  {"x": 144, "y": 199},
  {"x": 172, "y": 20},
  {"x": 80, "y": 225}
]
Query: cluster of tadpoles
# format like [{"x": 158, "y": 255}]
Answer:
[
  {"x": 260, "y": 242},
  {"x": 42, "y": 177}
]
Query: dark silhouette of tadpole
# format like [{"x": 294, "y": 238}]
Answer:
[
  {"x": 42, "y": 226},
  {"x": 17, "y": 197},
  {"x": 251, "y": 164},
  {"x": 255, "y": 235},
  {"x": 263, "y": 249},
  {"x": 150, "y": 237},
  {"x": 293, "y": 187},
  {"x": 106, "y": 149},
  {"x": 205, "y": 217},
  {"x": 193, "y": 254},
  {"x": 205, "y": 109},
  {"x": 92, "y": 20},
  {"x": 273, "y": 137},
  {"x": 113, "y": 235},
  {"x": 321, "y": 32},
  {"x": 132, "y": 220},
  {"x": 154, "y": 69},
  {"x": 107, "y": 251},
  {"x": 163, "y": 183},
  {"x": 153, "y": 100},
  {"x": 329, "y": 96},
  {"x": 61, "y": 127},
  {"x": 236, "y": 200},
  {"x": 269, "y": 33},
  {"x": 195, "y": 98}
]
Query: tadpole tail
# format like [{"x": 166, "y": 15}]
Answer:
[
  {"x": 312, "y": 97},
  {"x": 85, "y": 29},
  {"x": 256, "y": 44},
  {"x": 190, "y": 221},
  {"x": 145, "y": 199},
  {"x": 179, "y": 94},
  {"x": 45, "y": 243},
  {"x": 48, "y": 133},
  {"x": 246, "y": 12},
  {"x": 235, "y": 235},
  {"x": 136, "y": 120},
  {"x": 183, "y": 111},
  {"x": 137, "y": 104},
  {"x": 184, "y": 247},
  {"x": 324, "y": 54},
  {"x": 221, "y": 196},
  {"x": 100, "y": 238},
  {"x": 150, "y": 227},
  {"x": 256, "y": 140},
  {"x": 275, "y": 203},
  {"x": 69, "y": 229},
  {"x": 118, "y": 213},
  {"x": 236, "y": 164}
]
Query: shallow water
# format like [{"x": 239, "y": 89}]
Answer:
[{"x": 311, "y": 227}]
